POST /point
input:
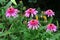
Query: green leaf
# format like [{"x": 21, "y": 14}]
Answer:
[
  {"x": 42, "y": 27},
  {"x": 8, "y": 5},
  {"x": 57, "y": 23},
  {"x": 1, "y": 25},
  {"x": 4, "y": 33},
  {"x": 1, "y": 1},
  {"x": 2, "y": 10},
  {"x": 50, "y": 20},
  {"x": 32, "y": 1},
  {"x": 14, "y": 2}
]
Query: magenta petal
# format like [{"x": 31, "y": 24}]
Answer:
[
  {"x": 8, "y": 15},
  {"x": 30, "y": 11},
  {"x": 33, "y": 24},
  {"x": 51, "y": 27},
  {"x": 49, "y": 13},
  {"x": 27, "y": 14},
  {"x": 11, "y": 12}
]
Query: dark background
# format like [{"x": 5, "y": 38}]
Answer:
[{"x": 44, "y": 5}]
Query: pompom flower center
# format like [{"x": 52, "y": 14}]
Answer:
[
  {"x": 49, "y": 11},
  {"x": 51, "y": 26},
  {"x": 11, "y": 10},
  {"x": 33, "y": 22},
  {"x": 30, "y": 10}
]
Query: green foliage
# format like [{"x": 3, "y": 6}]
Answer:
[
  {"x": 32, "y": 1},
  {"x": 14, "y": 2},
  {"x": 16, "y": 29},
  {"x": 2, "y": 1}
]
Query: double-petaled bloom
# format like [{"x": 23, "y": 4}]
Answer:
[
  {"x": 11, "y": 12},
  {"x": 33, "y": 24},
  {"x": 51, "y": 27},
  {"x": 49, "y": 13},
  {"x": 31, "y": 12}
]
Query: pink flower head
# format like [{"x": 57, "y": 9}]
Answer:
[
  {"x": 31, "y": 12},
  {"x": 51, "y": 27},
  {"x": 11, "y": 12},
  {"x": 33, "y": 24},
  {"x": 49, "y": 13}
]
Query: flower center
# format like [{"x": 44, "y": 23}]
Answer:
[
  {"x": 33, "y": 22},
  {"x": 11, "y": 10},
  {"x": 30, "y": 10},
  {"x": 50, "y": 24},
  {"x": 49, "y": 11}
]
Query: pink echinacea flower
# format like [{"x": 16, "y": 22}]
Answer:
[
  {"x": 31, "y": 12},
  {"x": 49, "y": 13},
  {"x": 51, "y": 27},
  {"x": 11, "y": 12},
  {"x": 33, "y": 24}
]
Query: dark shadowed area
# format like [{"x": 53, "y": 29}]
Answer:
[{"x": 44, "y": 5}]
